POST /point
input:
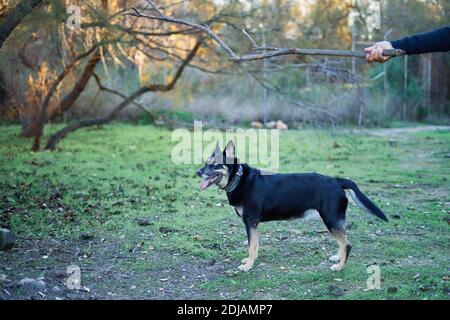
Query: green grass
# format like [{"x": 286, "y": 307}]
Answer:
[{"x": 104, "y": 178}]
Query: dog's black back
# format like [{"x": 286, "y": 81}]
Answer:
[{"x": 286, "y": 196}]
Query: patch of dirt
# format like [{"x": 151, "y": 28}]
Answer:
[
  {"x": 395, "y": 132},
  {"x": 108, "y": 271}
]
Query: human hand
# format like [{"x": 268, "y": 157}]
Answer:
[{"x": 375, "y": 52}]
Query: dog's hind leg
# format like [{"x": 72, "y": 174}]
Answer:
[
  {"x": 344, "y": 248},
  {"x": 333, "y": 217},
  {"x": 253, "y": 247}
]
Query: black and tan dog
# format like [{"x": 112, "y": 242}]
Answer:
[{"x": 258, "y": 197}]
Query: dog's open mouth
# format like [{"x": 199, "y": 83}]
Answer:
[{"x": 206, "y": 182}]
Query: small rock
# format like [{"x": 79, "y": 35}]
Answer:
[
  {"x": 256, "y": 125},
  {"x": 271, "y": 125},
  {"x": 281, "y": 125},
  {"x": 44, "y": 206},
  {"x": 379, "y": 233},
  {"x": 166, "y": 230},
  {"x": 85, "y": 289},
  {"x": 60, "y": 210},
  {"x": 427, "y": 288},
  {"x": 33, "y": 283},
  {"x": 143, "y": 222},
  {"x": 7, "y": 239},
  {"x": 3, "y": 278},
  {"x": 86, "y": 236},
  {"x": 335, "y": 291},
  {"x": 197, "y": 237}
]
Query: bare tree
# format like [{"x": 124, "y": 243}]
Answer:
[
  {"x": 55, "y": 138},
  {"x": 35, "y": 129}
]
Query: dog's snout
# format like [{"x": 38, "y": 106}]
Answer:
[{"x": 199, "y": 172}]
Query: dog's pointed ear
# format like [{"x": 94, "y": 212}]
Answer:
[
  {"x": 229, "y": 149},
  {"x": 217, "y": 151},
  {"x": 218, "y": 155}
]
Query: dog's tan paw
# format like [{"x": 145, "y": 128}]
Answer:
[
  {"x": 336, "y": 267},
  {"x": 245, "y": 260},
  {"x": 246, "y": 267},
  {"x": 334, "y": 258}
]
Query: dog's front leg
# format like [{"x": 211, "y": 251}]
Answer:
[{"x": 253, "y": 246}]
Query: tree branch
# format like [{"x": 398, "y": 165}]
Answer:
[
  {"x": 205, "y": 28},
  {"x": 270, "y": 52},
  {"x": 101, "y": 87},
  {"x": 71, "y": 97}
]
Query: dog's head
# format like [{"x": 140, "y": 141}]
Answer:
[{"x": 218, "y": 167}]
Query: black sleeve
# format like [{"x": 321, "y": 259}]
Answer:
[{"x": 432, "y": 41}]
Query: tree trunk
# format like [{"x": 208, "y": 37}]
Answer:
[
  {"x": 74, "y": 94},
  {"x": 425, "y": 73},
  {"x": 70, "y": 99},
  {"x": 37, "y": 128},
  {"x": 439, "y": 86}
]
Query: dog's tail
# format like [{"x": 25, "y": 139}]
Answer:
[{"x": 360, "y": 198}]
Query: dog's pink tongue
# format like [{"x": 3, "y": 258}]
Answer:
[{"x": 204, "y": 184}]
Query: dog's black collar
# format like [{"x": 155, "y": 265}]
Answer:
[{"x": 235, "y": 181}]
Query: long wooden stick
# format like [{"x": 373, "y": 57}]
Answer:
[
  {"x": 273, "y": 52},
  {"x": 268, "y": 52}
]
